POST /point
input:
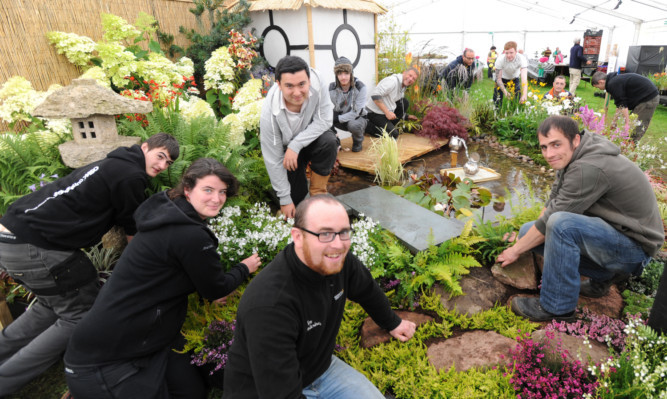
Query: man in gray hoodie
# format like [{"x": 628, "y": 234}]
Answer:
[
  {"x": 348, "y": 95},
  {"x": 296, "y": 128},
  {"x": 601, "y": 220}
]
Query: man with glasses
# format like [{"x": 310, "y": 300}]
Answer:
[
  {"x": 289, "y": 315},
  {"x": 459, "y": 73}
]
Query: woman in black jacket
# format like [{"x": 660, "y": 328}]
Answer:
[{"x": 120, "y": 348}]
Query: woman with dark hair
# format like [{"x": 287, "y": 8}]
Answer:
[{"x": 120, "y": 349}]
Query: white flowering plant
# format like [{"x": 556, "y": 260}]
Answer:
[
  {"x": 244, "y": 231},
  {"x": 246, "y": 110},
  {"x": 227, "y": 70}
]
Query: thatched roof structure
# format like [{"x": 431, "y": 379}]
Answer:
[
  {"x": 370, "y": 6},
  {"x": 84, "y": 97}
]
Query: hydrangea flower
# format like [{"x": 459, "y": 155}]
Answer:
[{"x": 77, "y": 49}]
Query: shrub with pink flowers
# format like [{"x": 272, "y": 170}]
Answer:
[
  {"x": 618, "y": 132},
  {"x": 535, "y": 376},
  {"x": 218, "y": 340},
  {"x": 601, "y": 328}
]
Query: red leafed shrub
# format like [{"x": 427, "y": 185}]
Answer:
[{"x": 443, "y": 122}]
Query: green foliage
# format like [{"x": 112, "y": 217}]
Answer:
[
  {"x": 482, "y": 119},
  {"x": 28, "y": 161},
  {"x": 637, "y": 303},
  {"x": 520, "y": 126},
  {"x": 104, "y": 260},
  {"x": 203, "y": 136},
  {"x": 392, "y": 47},
  {"x": 648, "y": 282},
  {"x": 216, "y": 34},
  {"x": 200, "y": 315},
  {"x": 494, "y": 242}
]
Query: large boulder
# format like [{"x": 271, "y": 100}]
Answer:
[
  {"x": 471, "y": 349},
  {"x": 372, "y": 334},
  {"x": 520, "y": 274},
  {"x": 480, "y": 292}
]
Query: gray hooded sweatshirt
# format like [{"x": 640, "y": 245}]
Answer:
[
  {"x": 276, "y": 135},
  {"x": 600, "y": 182}
]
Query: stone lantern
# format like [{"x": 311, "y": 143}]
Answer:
[{"x": 92, "y": 109}]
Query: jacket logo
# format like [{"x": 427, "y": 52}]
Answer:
[
  {"x": 312, "y": 324},
  {"x": 340, "y": 294}
]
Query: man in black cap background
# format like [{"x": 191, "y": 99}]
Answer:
[{"x": 349, "y": 96}]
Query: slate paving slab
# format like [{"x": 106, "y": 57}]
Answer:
[{"x": 411, "y": 223}]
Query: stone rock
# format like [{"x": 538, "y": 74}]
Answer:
[
  {"x": 610, "y": 304},
  {"x": 480, "y": 292},
  {"x": 576, "y": 349},
  {"x": 84, "y": 97},
  {"x": 372, "y": 334},
  {"x": 75, "y": 155},
  {"x": 471, "y": 349},
  {"x": 115, "y": 238},
  {"x": 520, "y": 274}
]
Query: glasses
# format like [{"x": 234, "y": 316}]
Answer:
[{"x": 328, "y": 236}]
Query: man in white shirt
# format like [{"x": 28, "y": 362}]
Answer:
[
  {"x": 387, "y": 104},
  {"x": 509, "y": 67}
]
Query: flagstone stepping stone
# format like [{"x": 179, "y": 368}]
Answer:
[
  {"x": 372, "y": 334},
  {"x": 520, "y": 274},
  {"x": 413, "y": 225},
  {"x": 610, "y": 304},
  {"x": 481, "y": 291},
  {"x": 594, "y": 351},
  {"x": 471, "y": 349}
]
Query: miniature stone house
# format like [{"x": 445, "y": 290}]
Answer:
[{"x": 92, "y": 110}]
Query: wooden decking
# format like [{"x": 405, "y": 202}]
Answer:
[{"x": 409, "y": 147}]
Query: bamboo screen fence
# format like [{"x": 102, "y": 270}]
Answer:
[{"x": 25, "y": 51}]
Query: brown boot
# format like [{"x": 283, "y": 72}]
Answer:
[{"x": 318, "y": 184}]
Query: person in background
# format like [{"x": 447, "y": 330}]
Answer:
[
  {"x": 349, "y": 96},
  {"x": 491, "y": 61},
  {"x": 601, "y": 220},
  {"x": 290, "y": 314},
  {"x": 558, "y": 56},
  {"x": 296, "y": 129},
  {"x": 41, "y": 236},
  {"x": 558, "y": 90},
  {"x": 631, "y": 92},
  {"x": 387, "y": 104},
  {"x": 511, "y": 67},
  {"x": 547, "y": 52},
  {"x": 121, "y": 348},
  {"x": 576, "y": 60},
  {"x": 459, "y": 73}
]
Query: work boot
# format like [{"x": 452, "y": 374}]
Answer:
[
  {"x": 597, "y": 289},
  {"x": 357, "y": 146},
  {"x": 318, "y": 184},
  {"x": 531, "y": 309}
]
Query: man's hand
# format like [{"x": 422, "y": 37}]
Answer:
[
  {"x": 404, "y": 331},
  {"x": 390, "y": 115},
  {"x": 252, "y": 262},
  {"x": 508, "y": 256},
  {"x": 290, "y": 162},
  {"x": 288, "y": 210},
  {"x": 412, "y": 118},
  {"x": 523, "y": 99}
]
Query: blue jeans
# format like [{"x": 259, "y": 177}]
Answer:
[
  {"x": 577, "y": 245},
  {"x": 38, "y": 338},
  {"x": 341, "y": 381}
]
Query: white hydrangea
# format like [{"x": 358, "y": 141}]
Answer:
[
  {"x": 195, "y": 107},
  {"x": 250, "y": 92},
  {"x": 18, "y": 99},
  {"x": 116, "y": 62},
  {"x": 220, "y": 71},
  {"x": 184, "y": 67},
  {"x": 117, "y": 29},
  {"x": 236, "y": 126},
  {"x": 77, "y": 49}
]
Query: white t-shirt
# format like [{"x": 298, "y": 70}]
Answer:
[{"x": 511, "y": 69}]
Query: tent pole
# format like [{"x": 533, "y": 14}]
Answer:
[
  {"x": 311, "y": 42},
  {"x": 377, "y": 46}
]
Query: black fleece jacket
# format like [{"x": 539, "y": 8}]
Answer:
[
  {"x": 141, "y": 309},
  {"x": 629, "y": 89},
  {"x": 75, "y": 211},
  {"x": 287, "y": 323}
]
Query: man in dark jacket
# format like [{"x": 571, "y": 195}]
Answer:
[
  {"x": 289, "y": 315},
  {"x": 41, "y": 236},
  {"x": 601, "y": 221},
  {"x": 349, "y": 95},
  {"x": 633, "y": 92},
  {"x": 576, "y": 60},
  {"x": 460, "y": 72}
]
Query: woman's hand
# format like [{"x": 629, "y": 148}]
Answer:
[{"x": 252, "y": 262}]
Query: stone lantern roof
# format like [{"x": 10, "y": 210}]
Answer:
[{"x": 84, "y": 97}]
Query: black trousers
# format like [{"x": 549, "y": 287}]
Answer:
[
  {"x": 378, "y": 122},
  {"x": 321, "y": 154}
]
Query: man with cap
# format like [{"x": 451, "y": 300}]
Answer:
[{"x": 349, "y": 95}]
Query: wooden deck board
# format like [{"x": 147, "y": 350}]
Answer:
[{"x": 409, "y": 147}]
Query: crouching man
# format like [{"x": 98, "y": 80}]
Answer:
[{"x": 290, "y": 314}]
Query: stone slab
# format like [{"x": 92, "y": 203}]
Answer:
[{"x": 411, "y": 223}]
